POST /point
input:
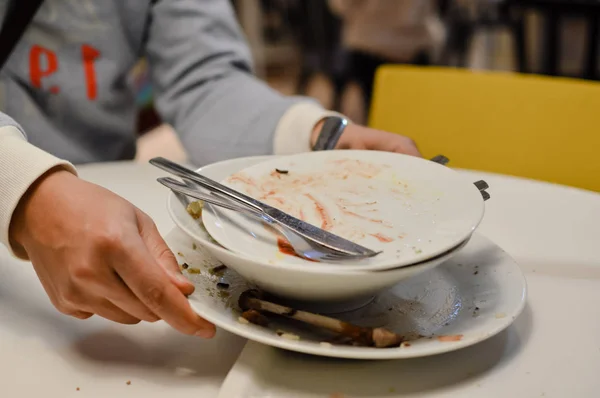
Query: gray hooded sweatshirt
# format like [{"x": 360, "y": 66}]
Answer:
[{"x": 66, "y": 82}]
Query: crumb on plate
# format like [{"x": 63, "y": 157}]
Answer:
[
  {"x": 286, "y": 335},
  {"x": 218, "y": 270},
  {"x": 194, "y": 209},
  {"x": 255, "y": 317}
]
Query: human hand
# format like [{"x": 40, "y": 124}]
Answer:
[
  {"x": 361, "y": 137},
  {"x": 95, "y": 253}
]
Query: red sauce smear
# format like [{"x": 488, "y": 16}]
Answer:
[
  {"x": 373, "y": 220},
  {"x": 345, "y": 202},
  {"x": 243, "y": 179},
  {"x": 278, "y": 200},
  {"x": 346, "y": 161},
  {"x": 265, "y": 196},
  {"x": 382, "y": 238},
  {"x": 285, "y": 248},
  {"x": 455, "y": 337},
  {"x": 274, "y": 173},
  {"x": 325, "y": 219}
]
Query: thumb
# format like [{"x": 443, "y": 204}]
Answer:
[{"x": 160, "y": 251}]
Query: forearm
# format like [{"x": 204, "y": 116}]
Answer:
[
  {"x": 21, "y": 164},
  {"x": 201, "y": 70},
  {"x": 254, "y": 121},
  {"x": 232, "y": 116}
]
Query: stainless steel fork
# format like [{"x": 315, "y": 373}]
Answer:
[
  {"x": 302, "y": 228},
  {"x": 301, "y": 247}
]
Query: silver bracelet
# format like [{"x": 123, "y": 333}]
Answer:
[{"x": 330, "y": 133}]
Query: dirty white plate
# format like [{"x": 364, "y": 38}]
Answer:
[
  {"x": 470, "y": 298},
  {"x": 410, "y": 208}
]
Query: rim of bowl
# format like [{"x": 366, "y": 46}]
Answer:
[
  {"x": 328, "y": 268},
  {"x": 333, "y": 268},
  {"x": 300, "y": 268}
]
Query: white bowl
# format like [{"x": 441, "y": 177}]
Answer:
[
  {"x": 291, "y": 281},
  {"x": 408, "y": 208}
]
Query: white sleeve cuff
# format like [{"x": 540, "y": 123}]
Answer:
[
  {"x": 293, "y": 132},
  {"x": 21, "y": 164}
]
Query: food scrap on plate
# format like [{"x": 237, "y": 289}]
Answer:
[
  {"x": 255, "y": 308},
  {"x": 195, "y": 209}
]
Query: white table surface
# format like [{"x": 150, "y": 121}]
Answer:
[{"x": 553, "y": 349}]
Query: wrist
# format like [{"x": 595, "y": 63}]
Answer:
[{"x": 39, "y": 194}]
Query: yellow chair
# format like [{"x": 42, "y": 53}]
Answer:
[{"x": 523, "y": 125}]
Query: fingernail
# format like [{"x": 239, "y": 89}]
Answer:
[
  {"x": 182, "y": 278},
  {"x": 205, "y": 334}
]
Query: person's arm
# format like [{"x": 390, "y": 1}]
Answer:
[
  {"x": 21, "y": 164},
  {"x": 201, "y": 69},
  {"x": 93, "y": 252}
]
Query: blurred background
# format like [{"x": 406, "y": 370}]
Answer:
[{"x": 330, "y": 49}]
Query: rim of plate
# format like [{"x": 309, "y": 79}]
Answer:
[
  {"x": 369, "y": 353},
  {"x": 214, "y": 212}
]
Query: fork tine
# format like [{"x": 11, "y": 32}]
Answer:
[
  {"x": 334, "y": 257},
  {"x": 357, "y": 256},
  {"x": 336, "y": 253}
]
